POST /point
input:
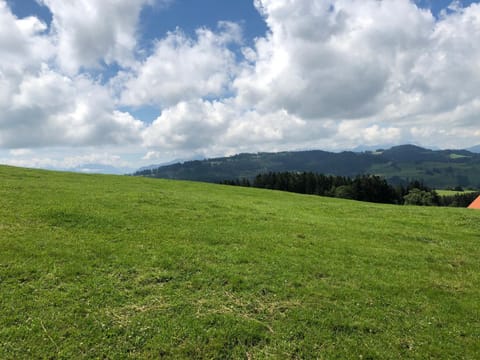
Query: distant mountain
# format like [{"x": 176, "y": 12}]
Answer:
[
  {"x": 99, "y": 169},
  {"x": 366, "y": 148},
  {"x": 399, "y": 164},
  {"x": 176, "y": 161},
  {"x": 474, "y": 149},
  {"x": 156, "y": 166}
]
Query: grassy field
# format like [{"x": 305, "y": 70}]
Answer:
[
  {"x": 112, "y": 267},
  {"x": 452, "y": 192}
]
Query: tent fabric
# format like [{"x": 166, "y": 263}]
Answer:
[{"x": 475, "y": 204}]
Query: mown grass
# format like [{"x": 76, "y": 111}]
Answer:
[
  {"x": 132, "y": 268},
  {"x": 453, "y": 192}
]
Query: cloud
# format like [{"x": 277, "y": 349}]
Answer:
[
  {"x": 188, "y": 126},
  {"x": 63, "y": 159},
  {"x": 89, "y": 32},
  {"x": 321, "y": 65},
  {"x": 327, "y": 74},
  {"x": 333, "y": 59},
  {"x": 152, "y": 155},
  {"x": 339, "y": 74},
  {"x": 40, "y": 106},
  {"x": 369, "y": 72},
  {"x": 182, "y": 68},
  {"x": 23, "y": 43},
  {"x": 21, "y": 152},
  {"x": 219, "y": 127},
  {"x": 50, "y": 110}
]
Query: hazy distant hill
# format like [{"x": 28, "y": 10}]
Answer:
[
  {"x": 437, "y": 168},
  {"x": 98, "y": 169},
  {"x": 474, "y": 149}
]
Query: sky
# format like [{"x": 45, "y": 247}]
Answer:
[{"x": 114, "y": 85}]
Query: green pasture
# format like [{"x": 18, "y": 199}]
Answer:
[
  {"x": 452, "y": 192},
  {"x": 112, "y": 267}
]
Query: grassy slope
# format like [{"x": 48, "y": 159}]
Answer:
[
  {"x": 119, "y": 267},
  {"x": 452, "y": 192}
]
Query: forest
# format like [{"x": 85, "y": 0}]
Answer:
[
  {"x": 399, "y": 165},
  {"x": 368, "y": 188}
]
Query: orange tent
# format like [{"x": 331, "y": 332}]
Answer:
[{"x": 475, "y": 204}]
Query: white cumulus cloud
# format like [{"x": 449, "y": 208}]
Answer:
[
  {"x": 41, "y": 106},
  {"x": 49, "y": 109},
  {"x": 327, "y": 74},
  {"x": 182, "y": 68},
  {"x": 88, "y": 32},
  {"x": 368, "y": 70}
]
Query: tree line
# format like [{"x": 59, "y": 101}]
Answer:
[{"x": 369, "y": 188}]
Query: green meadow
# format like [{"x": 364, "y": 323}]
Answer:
[
  {"x": 453, "y": 192},
  {"x": 116, "y": 267}
]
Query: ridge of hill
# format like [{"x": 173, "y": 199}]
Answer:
[
  {"x": 474, "y": 149},
  {"x": 98, "y": 266},
  {"x": 399, "y": 165}
]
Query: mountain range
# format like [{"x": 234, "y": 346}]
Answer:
[{"x": 399, "y": 164}]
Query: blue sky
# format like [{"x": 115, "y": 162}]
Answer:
[
  {"x": 192, "y": 14},
  {"x": 157, "y": 19},
  {"x": 126, "y": 83},
  {"x": 436, "y": 6}
]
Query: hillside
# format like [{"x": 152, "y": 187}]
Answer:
[
  {"x": 438, "y": 169},
  {"x": 123, "y": 267}
]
